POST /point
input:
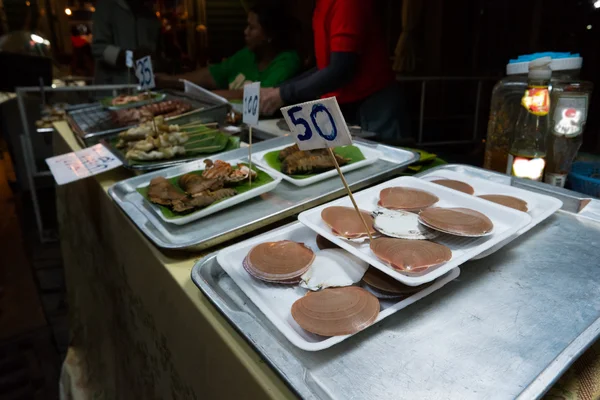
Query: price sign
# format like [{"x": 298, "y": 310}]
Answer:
[
  {"x": 144, "y": 73},
  {"x": 317, "y": 124},
  {"x": 82, "y": 164},
  {"x": 129, "y": 58},
  {"x": 251, "y": 103}
]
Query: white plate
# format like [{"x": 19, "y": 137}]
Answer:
[
  {"x": 539, "y": 206},
  {"x": 370, "y": 157},
  {"x": 275, "y": 301},
  {"x": 506, "y": 223},
  {"x": 231, "y": 201}
]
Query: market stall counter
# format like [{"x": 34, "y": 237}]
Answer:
[
  {"x": 507, "y": 327},
  {"x": 140, "y": 327}
]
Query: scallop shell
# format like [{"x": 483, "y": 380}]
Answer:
[
  {"x": 345, "y": 222},
  {"x": 384, "y": 286},
  {"x": 401, "y": 224},
  {"x": 456, "y": 185},
  {"x": 336, "y": 311},
  {"x": 333, "y": 268},
  {"x": 414, "y": 256},
  {"x": 408, "y": 199},
  {"x": 323, "y": 243},
  {"x": 457, "y": 221},
  {"x": 507, "y": 201},
  {"x": 282, "y": 262}
]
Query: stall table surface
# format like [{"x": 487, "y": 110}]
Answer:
[{"x": 140, "y": 328}]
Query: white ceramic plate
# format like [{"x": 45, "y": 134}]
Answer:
[
  {"x": 239, "y": 198},
  {"x": 539, "y": 206},
  {"x": 275, "y": 301},
  {"x": 507, "y": 222},
  {"x": 370, "y": 157}
]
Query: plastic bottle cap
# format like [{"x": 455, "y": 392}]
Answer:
[
  {"x": 557, "y": 64},
  {"x": 540, "y": 68}
]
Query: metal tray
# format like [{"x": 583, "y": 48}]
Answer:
[
  {"x": 94, "y": 123},
  {"x": 284, "y": 201},
  {"x": 507, "y": 328}
]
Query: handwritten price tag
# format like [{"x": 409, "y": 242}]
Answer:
[
  {"x": 251, "y": 103},
  {"x": 71, "y": 167},
  {"x": 317, "y": 124},
  {"x": 144, "y": 73}
]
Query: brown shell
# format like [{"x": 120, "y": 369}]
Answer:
[
  {"x": 403, "y": 198},
  {"x": 336, "y": 311},
  {"x": 323, "y": 243},
  {"x": 345, "y": 222},
  {"x": 507, "y": 201},
  {"x": 457, "y": 221},
  {"x": 284, "y": 261},
  {"x": 414, "y": 256},
  {"x": 388, "y": 285},
  {"x": 456, "y": 185}
]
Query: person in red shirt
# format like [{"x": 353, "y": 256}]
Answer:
[{"x": 353, "y": 65}]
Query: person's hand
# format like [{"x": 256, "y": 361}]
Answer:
[
  {"x": 270, "y": 101},
  {"x": 166, "y": 81}
]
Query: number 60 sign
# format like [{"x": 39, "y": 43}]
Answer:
[{"x": 317, "y": 124}]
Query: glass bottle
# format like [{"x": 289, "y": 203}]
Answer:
[
  {"x": 527, "y": 153},
  {"x": 570, "y": 101}
]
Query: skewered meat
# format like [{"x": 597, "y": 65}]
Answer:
[
  {"x": 309, "y": 162},
  {"x": 196, "y": 184},
  {"x": 160, "y": 154},
  {"x": 161, "y": 191},
  {"x": 202, "y": 199},
  {"x": 125, "y": 99},
  {"x": 288, "y": 151},
  {"x": 168, "y": 108}
]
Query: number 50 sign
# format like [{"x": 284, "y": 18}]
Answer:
[{"x": 317, "y": 124}]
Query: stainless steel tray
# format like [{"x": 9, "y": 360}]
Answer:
[
  {"x": 286, "y": 200},
  {"x": 94, "y": 123},
  {"x": 507, "y": 328}
]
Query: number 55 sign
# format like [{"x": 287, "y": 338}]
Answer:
[
  {"x": 317, "y": 124},
  {"x": 144, "y": 73}
]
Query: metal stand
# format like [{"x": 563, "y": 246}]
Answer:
[{"x": 31, "y": 169}]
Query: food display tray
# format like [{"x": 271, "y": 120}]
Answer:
[
  {"x": 284, "y": 201},
  {"x": 507, "y": 328},
  {"x": 539, "y": 206},
  {"x": 155, "y": 98},
  {"x": 370, "y": 157},
  {"x": 506, "y": 223},
  {"x": 275, "y": 300},
  {"x": 219, "y": 206},
  {"x": 94, "y": 123}
]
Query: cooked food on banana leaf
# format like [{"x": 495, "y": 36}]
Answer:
[
  {"x": 300, "y": 162},
  {"x": 161, "y": 191},
  {"x": 200, "y": 190},
  {"x": 159, "y": 141},
  {"x": 126, "y": 99}
]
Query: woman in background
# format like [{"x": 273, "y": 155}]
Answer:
[{"x": 267, "y": 58}]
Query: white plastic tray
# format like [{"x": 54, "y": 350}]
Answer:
[
  {"x": 229, "y": 202},
  {"x": 506, "y": 223},
  {"x": 370, "y": 157},
  {"x": 539, "y": 206},
  {"x": 275, "y": 301}
]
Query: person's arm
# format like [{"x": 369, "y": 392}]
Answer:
[
  {"x": 346, "y": 41},
  {"x": 340, "y": 71}
]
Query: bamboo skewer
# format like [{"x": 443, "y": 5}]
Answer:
[
  {"x": 192, "y": 124},
  {"x": 337, "y": 166}
]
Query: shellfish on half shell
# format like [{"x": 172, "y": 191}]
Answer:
[{"x": 333, "y": 268}]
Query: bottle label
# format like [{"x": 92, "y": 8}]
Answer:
[
  {"x": 526, "y": 167},
  {"x": 537, "y": 100},
  {"x": 556, "y": 179},
  {"x": 570, "y": 115}
]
